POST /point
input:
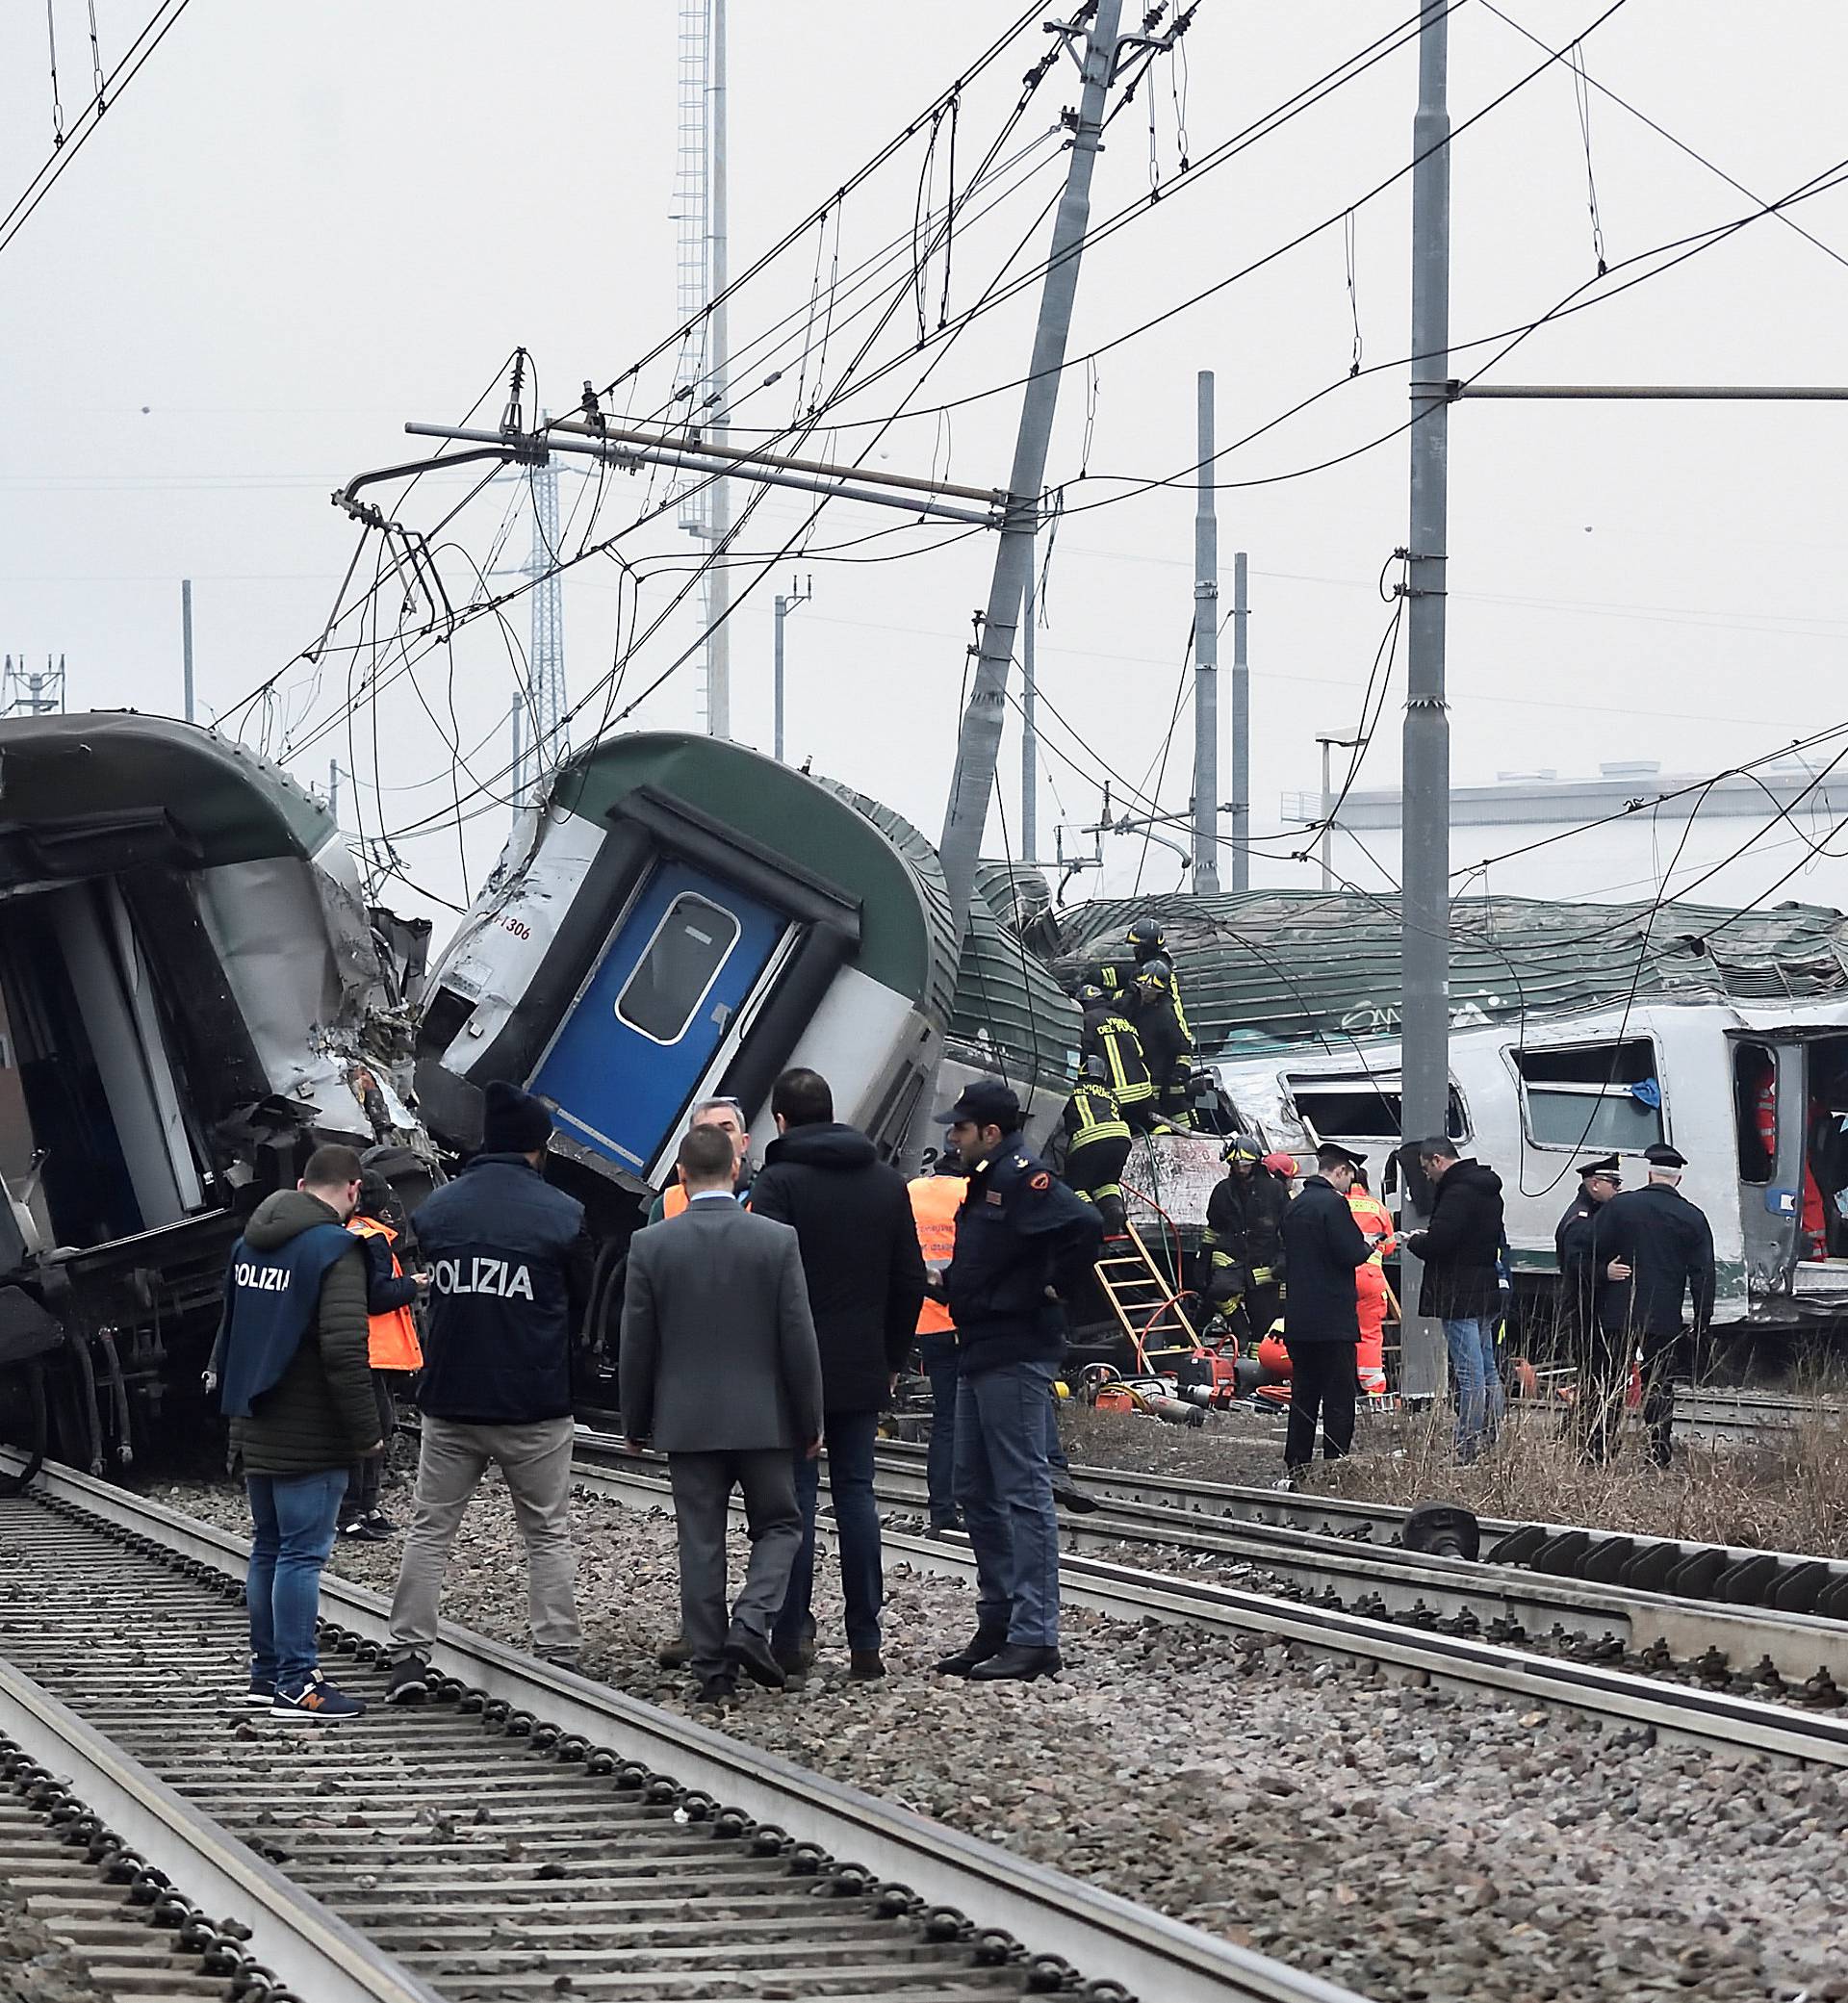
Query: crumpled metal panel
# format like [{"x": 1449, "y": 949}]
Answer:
[{"x": 1273, "y": 967}]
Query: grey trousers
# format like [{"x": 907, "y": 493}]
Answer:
[
  {"x": 535, "y": 1461},
  {"x": 702, "y": 1484}
]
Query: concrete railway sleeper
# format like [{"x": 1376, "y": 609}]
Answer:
[{"x": 532, "y": 1832}]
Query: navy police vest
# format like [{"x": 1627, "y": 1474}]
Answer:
[{"x": 270, "y": 1306}]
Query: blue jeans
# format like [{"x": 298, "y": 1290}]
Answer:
[
  {"x": 940, "y": 1455},
  {"x": 850, "y": 1438},
  {"x": 1479, "y": 1398},
  {"x": 293, "y": 1518},
  {"x": 1004, "y": 1484}
]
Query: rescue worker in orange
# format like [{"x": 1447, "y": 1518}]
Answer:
[
  {"x": 935, "y": 1198},
  {"x": 1373, "y": 1296},
  {"x": 391, "y": 1342}
]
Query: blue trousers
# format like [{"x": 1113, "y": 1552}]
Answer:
[
  {"x": 292, "y": 1518},
  {"x": 940, "y": 1461},
  {"x": 1479, "y": 1398},
  {"x": 850, "y": 1438},
  {"x": 1004, "y": 1483}
]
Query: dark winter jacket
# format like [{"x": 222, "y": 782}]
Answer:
[
  {"x": 1571, "y": 1242},
  {"x": 1019, "y": 1233},
  {"x": 1460, "y": 1245},
  {"x": 853, "y": 1219},
  {"x": 510, "y": 1272},
  {"x": 1321, "y": 1245},
  {"x": 1244, "y": 1223},
  {"x": 386, "y": 1291},
  {"x": 321, "y": 1413},
  {"x": 1668, "y": 1244}
]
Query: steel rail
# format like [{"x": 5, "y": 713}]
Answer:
[
  {"x": 1109, "y": 1938},
  {"x": 1714, "y": 1719},
  {"x": 313, "y": 1951}
]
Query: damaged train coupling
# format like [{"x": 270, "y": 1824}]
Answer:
[{"x": 193, "y": 995}]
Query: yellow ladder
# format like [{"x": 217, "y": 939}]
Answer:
[{"x": 1146, "y": 1306}]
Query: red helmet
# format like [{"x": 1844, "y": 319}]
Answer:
[{"x": 1281, "y": 1164}]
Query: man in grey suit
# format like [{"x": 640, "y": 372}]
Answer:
[{"x": 720, "y": 1369}]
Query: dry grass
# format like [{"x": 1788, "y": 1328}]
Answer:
[{"x": 1791, "y": 1494}]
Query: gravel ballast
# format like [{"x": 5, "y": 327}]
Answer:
[{"x": 1408, "y": 1843}]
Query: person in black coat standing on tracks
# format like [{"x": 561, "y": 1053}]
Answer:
[
  {"x": 851, "y": 1215},
  {"x": 1599, "y": 1181},
  {"x": 1322, "y": 1249},
  {"x": 1460, "y": 1247},
  {"x": 1650, "y": 1248}
]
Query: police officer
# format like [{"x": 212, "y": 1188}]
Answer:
[
  {"x": 1097, "y": 1146},
  {"x": 1161, "y": 1021},
  {"x": 1110, "y": 1034},
  {"x": 1018, "y": 1234},
  {"x": 1321, "y": 1312},
  {"x": 512, "y": 1271},
  {"x": 1598, "y": 1182},
  {"x": 1650, "y": 1248},
  {"x": 1243, "y": 1239}
]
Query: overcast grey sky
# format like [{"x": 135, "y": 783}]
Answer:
[{"x": 301, "y": 227}]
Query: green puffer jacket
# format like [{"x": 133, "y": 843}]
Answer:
[{"x": 320, "y": 1412}]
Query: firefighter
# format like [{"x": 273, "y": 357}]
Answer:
[
  {"x": 1372, "y": 1293},
  {"x": 1243, "y": 1240},
  {"x": 1650, "y": 1248},
  {"x": 1110, "y": 1034},
  {"x": 1162, "y": 1021},
  {"x": 1097, "y": 1146}
]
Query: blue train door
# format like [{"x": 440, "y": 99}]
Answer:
[{"x": 643, "y": 1032}]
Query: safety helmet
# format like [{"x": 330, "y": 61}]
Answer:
[
  {"x": 1242, "y": 1149},
  {"x": 1146, "y": 936},
  {"x": 1089, "y": 995},
  {"x": 1097, "y": 1071},
  {"x": 1281, "y": 1164}
]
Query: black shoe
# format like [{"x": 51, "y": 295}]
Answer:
[
  {"x": 719, "y": 1691},
  {"x": 409, "y": 1681},
  {"x": 362, "y": 1530},
  {"x": 677, "y": 1654},
  {"x": 563, "y": 1661},
  {"x": 752, "y": 1653},
  {"x": 987, "y": 1642},
  {"x": 382, "y": 1525},
  {"x": 1069, "y": 1496},
  {"x": 865, "y": 1666},
  {"x": 1014, "y": 1664},
  {"x": 796, "y": 1662}
]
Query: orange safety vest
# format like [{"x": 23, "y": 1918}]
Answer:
[
  {"x": 674, "y": 1200},
  {"x": 391, "y": 1340},
  {"x": 935, "y": 1200},
  {"x": 1376, "y": 1223}
]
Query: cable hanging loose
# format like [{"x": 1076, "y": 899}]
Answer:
[{"x": 1581, "y": 96}]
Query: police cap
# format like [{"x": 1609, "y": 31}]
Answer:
[
  {"x": 989, "y": 1103},
  {"x": 1663, "y": 1156},
  {"x": 1607, "y": 1165},
  {"x": 1332, "y": 1154}
]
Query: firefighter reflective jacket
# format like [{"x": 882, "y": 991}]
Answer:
[
  {"x": 1092, "y": 1114},
  {"x": 1160, "y": 1018},
  {"x": 1114, "y": 1039},
  {"x": 1244, "y": 1226},
  {"x": 391, "y": 1336}
]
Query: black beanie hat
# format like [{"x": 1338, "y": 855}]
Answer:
[{"x": 515, "y": 1123}]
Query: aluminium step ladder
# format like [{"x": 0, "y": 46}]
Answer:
[{"x": 1144, "y": 1305}]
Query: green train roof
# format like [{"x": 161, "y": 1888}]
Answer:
[
  {"x": 237, "y": 806},
  {"x": 1267, "y": 967}
]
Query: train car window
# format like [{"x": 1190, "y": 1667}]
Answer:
[
  {"x": 690, "y": 944},
  {"x": 1357, "y": 1109},
  {"x": 1593, "y": 1095}
]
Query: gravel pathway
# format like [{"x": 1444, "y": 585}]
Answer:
[{"x": 1410, "y": 1843}]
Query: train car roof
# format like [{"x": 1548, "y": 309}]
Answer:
[
  {"x": 1265, "y": 969},
  {"x": 102, "y": 769}
]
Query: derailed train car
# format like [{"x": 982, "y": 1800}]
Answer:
[
  {"x": 681, "y": 919},
  {"x": 192, "y": 996}
]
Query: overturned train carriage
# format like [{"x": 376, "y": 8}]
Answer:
[
  {"x": 192, "y": 996},
  {"x": 681, "y": 919},
  {"x": 1575, "y": 1030}
]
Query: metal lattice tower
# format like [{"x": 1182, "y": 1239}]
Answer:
[
  {"x": 546, "y": 653},
  {"x": 30, "y": 691},
  {"x": 700, "y": 370}
]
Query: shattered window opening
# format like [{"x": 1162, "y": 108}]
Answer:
[{"x": 1591, "y": 1095}]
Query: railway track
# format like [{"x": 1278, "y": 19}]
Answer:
[
  {"x": 531, "y": 1833},
  {"x": 1695, "y": 1670}
]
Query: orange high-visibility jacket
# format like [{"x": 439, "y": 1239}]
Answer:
[
  {"x": 391, "y": 1340},
  {"x": 1369, "y": 1287},
  {"x": 935, "y": 1200}
]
